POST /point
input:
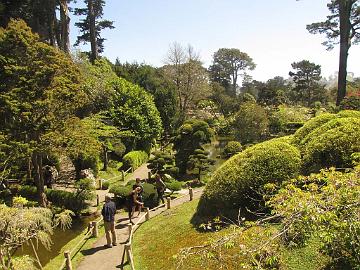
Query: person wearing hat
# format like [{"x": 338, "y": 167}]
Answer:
[{"x": 108, "y": 213}]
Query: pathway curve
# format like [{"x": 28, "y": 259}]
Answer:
[
  {"x": 99, "y": 257},
  {"x": 141, "y": 172}
]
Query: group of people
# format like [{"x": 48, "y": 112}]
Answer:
[{"x": 134, "y": 202}]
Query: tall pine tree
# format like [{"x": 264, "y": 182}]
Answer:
[{"x": 91, "y": 26}]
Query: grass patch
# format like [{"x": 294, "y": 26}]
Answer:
[{"x": 157, "y": 243}]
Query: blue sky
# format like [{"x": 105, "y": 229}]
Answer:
[{"x": 272, "y": 32}]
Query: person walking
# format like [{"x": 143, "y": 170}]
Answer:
[
  {"x": 133, "y": 202},
  {"x": 108, "y": 213},
  {"x": 160, "y": 187},
  {"x": 139, "y": 194}
]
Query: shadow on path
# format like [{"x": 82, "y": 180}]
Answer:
[{"x": 92, "y": 251}]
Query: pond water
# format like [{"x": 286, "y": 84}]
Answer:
[
  {"x": 216, "y": 148},
  {"x": 60, "y": 238}
]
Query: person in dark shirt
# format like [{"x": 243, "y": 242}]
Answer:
[
  {"x": 133, "y": 202},
  {"x": 139, "y": 194},
  {"x": 108, "y": 213}
]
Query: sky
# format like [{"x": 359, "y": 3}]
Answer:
[{"x": 272, "y": 32}]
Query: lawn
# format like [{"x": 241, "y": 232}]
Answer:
[{"x": 157, "y": 244}]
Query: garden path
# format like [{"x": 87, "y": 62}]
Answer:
[
  {"x": 141, "y": 172},
  {"x": 99, "y": 257}
]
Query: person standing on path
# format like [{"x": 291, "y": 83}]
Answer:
[
  {"x": 108, "y": 213},
  {"x": 160, "y": 187},
  {"x": 139, "y": 195},
  {"x": 133, "y": 202}
]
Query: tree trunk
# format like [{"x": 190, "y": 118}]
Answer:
[
  {"x": 345, "y": 26},
  {"x": 106, "y": 158},
  {"x": 94, "y": 49},
  {"x": 29, "y": 168},
  {"x": 65, "y": 22},
  {"x": 39, "y": 178},
  {"x": 51, "y": 14}
]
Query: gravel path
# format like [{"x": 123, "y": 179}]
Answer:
[{"x": 100, "y": 258}]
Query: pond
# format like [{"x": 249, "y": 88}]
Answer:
[
  {"x": 215, "y": 148},
  {"x": 59, "y": 239}
]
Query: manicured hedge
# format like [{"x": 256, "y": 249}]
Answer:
[
  {"x": 237, "y": 182},
  {"x": 331, "y": 145},
  {"x": 149, "y": 194},
  {"x": 329, "y": 140},
  {"x": 135, "y": 159}
]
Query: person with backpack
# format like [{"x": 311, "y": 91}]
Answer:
[
  {"x": 133, "y": 202},
  {"x": 108, "y": 213},
  {"x": 160, "y": 187}
]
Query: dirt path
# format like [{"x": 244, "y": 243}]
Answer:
[{"x": 100, "y": 258}]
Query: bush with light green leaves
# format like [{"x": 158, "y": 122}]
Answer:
[
  {"x": 135, "y": 159},
  {"x": 232, "y": 148},
  {"x": 329, "y": 140},
  {"x": 324, "y": 206},
  {"x": 238, "y": 182}
]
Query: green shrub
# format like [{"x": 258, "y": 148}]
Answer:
[
  {"x": 149, "y": 195},
  {"x": 350, "y": 103},
  {"x": 238, "y": 182},
  {"x": 325, "y": 207},
  {"x": 310, "y": 125},
  {"x": 285, "y": 118},
  {"x": 174, "y": 185},
  {"x": 251, "y": 123},
  {"x": 134, "y": 159},
  {"x": 332, "y": 144},
  {"x": 74, "y": 201},
  {"x": 232, "y": 148},
  {"x": 300, "y": 136},
  {"x": 121, "y": 193},
  {"x": 118, "y": 149},
  {"x": 28, "y": 192},
  {"x": 105, "y": 185}
]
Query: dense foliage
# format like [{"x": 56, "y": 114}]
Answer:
[
  {"x": 329, "y": 140},
  {"x": 189, "y": 137},
  {"x": 134, "y": 159},
  {"x": 251, "y": 123},
  {"x": 134, "y": 109},
  {"x": 162, "y": 162},
  {"x": 232, "y": 148},
  {"x": 40, "y": 90},
  {"x": 325, "y": 206},
  {"x": 238, "y": 182}
]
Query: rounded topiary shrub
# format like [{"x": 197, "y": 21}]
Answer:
[
  {"x": 236, "y": 184},
  {"x": 232, "y": 148},
  {"x": 331, "y": 145},
  {"x": 302, "y": 134},
  {"x": 310, "y": 125}
]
